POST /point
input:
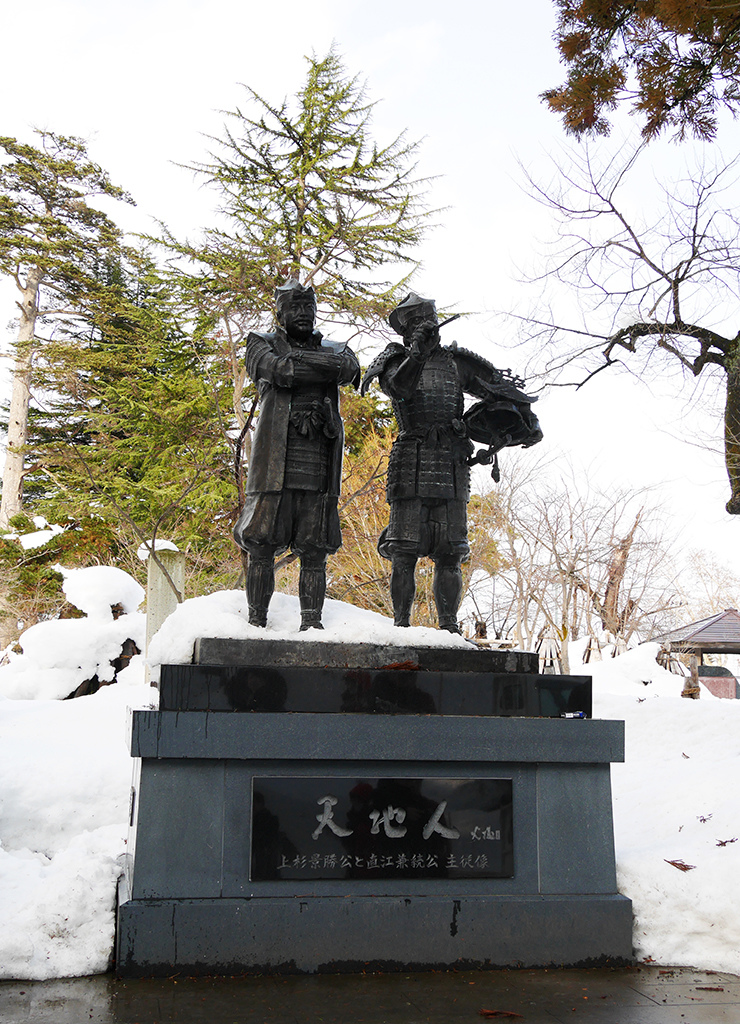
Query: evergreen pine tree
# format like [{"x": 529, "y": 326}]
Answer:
[
  {"x": 677, "y": 61},
  {"x": 304, "y": 190},
  {"x": 52, "y": 240},
  {"x": 129, "y": 438}
]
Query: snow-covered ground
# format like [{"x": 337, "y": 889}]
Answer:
[
  {"x": 676, "y": 798},
  {"x": 65, "y": 776}
]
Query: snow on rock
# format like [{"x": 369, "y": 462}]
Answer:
[
  {"x": 224, "y": 615},
  {"x": 59, "y": 654},
  {"x": 96, "y": 588}
]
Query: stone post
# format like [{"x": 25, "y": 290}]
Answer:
[
  {"x": 691, "y": 685},
  {"x": 161, "y": 600}
]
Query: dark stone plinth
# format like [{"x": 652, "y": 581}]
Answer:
[
  {"x": 371, "y": 933},
  {"x": 270, "y": 688},
  {"x": 193, "y": 838},
  {"x": 317, "y": 654},
  {"x": 203, "y": 734},
  {"x": 469, "y": 839}
]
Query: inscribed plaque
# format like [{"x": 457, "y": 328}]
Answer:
[{"x": 341, "y": 828}]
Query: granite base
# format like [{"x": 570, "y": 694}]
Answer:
[
  {"x": 205, "y": 891},
  {"x": 356, "y": 934}
]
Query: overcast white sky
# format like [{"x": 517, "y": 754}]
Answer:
[{"x": 144, "y": 81}]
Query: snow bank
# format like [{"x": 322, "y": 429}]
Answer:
[
  {"x": 58, "y": 915},
  {"x": 65, "y": 779},
  {"x": 65, "y": 766},
  {"x": 676, "y": 798},
  {"x": 60, "y": 654}
]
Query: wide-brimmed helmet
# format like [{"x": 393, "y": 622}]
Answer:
[{"x": 412, "y": 305}]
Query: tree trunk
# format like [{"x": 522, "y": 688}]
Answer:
[
  {"x": 610, "y": 617},
  {"x": 732, "y": 431},
  {"x": 565, "y": 654},
  {"x": 12, "y": 496},
  {"x": 8, "y": 624}
]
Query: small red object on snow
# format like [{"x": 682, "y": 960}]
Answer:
[{"x": 680, "y": 864}]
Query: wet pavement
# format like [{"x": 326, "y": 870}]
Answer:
[{"x": 635, "y": 995}]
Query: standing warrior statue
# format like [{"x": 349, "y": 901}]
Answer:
[
  {"x": 428, "y": 481},
  {"x": 295, "y": 467}
]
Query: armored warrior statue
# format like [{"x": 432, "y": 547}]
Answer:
[
  {"x": 296, "y": 461},
  {"x": 428, "y": 481}
]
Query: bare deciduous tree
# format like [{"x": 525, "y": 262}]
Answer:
[
  {"x": 654, "y": 280},
  {"x": 708, "y": 586},
  {"x": 579, "y": 561}
]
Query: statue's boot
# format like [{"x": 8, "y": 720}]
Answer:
[
  {"x": 403, "y": 588},
  {"x": 311, "y": 592},
  {"x": 260, "y": 586},
  {"x": 447, "y": 593}
]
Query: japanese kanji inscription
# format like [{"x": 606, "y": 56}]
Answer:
[{"x": 335, "y": 828}]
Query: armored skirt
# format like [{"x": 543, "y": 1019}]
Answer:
[
  {"x": 302, "y": 516},
  {"x": 307, "y": 522},
  {"x": 421, "y": 527},
  {"x": 428, "y": 487}
]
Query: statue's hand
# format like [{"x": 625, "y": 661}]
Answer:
[
  {"x": 349, "y": 370},
  {"x": 425, "y": 338}
]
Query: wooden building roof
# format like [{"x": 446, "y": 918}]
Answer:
[{"x": 718, "y": 634}]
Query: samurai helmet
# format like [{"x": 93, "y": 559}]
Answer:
[
  {"x": 292, "y": 288},
  {"x": 412, "y": 304},
  {"x": 503, "y": 424}
]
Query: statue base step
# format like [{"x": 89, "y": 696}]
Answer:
[
  {"x": 360, "y": 934},
  {"x": 321, "y": 654}
]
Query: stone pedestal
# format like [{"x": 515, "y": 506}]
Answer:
[{"x": 369, "y": 809}]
